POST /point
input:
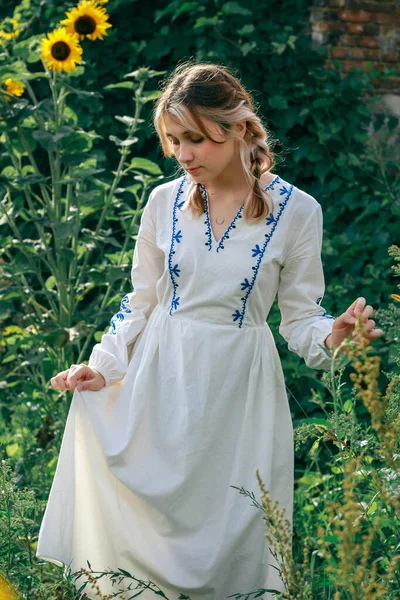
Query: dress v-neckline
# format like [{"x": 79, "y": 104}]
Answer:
[{"x": 211, "y": 237}]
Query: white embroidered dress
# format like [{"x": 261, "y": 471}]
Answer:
[{"x": 195, "y": 400}]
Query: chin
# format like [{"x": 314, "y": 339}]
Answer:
[
  {"x": 199, "y": 178},
  {"x": 196, "y": 178}
]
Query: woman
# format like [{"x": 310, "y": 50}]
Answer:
[{"x": 185, "y": 395}]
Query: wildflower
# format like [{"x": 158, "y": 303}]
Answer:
[
  {"x": 395, "y": 297},
  {"x": 88, "y": 19},
  {"x": 9, "y": 35},
  {"x": 14, "y": 87},
  {"x": 6, "y": 591},
  {"x": 61, "y": 51}
]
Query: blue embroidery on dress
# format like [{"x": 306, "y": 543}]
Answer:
[
  {"x": 324, "y": 314},
  {"x": 327, "y": 316},
  {"x": 207, "y": 221},
  {"x": 119, "y": 316},
  {"x": 270, "y": 220},
  {"x": 258, "y": 251},
  {"x": 231, "y": 226},
  {"x": 271, "y": 185},
  {"x": 174, "y": 270},
  {"x": 178, "y": 236}
]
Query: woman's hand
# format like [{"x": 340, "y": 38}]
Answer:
[
  {"x": 345, "y": 324},
  {"x": 80, "y": 377}
]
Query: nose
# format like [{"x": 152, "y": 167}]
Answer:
[{"x": 185, "y": 154}]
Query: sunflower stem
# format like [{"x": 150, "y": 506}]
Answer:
[
  {"x": 32, "y": 160},
  {"x": 65, "y": 302}
]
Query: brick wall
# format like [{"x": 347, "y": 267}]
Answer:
[{"x": 360, "y": 33}]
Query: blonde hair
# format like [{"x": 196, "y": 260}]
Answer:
[{"x": 196, "y": 91}]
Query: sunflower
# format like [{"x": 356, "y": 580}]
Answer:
[
  {"x": 61, "y": 51},
  {"x": 88, "y": 19},
  {"x": 9, "y": 35},
  {"x": 6, "y": 591},
  {"x": 14, "y": 87}
]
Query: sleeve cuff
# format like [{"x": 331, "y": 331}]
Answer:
[
  {"x": 321, "y": 356},
  {"x": 104, "y": 362}
]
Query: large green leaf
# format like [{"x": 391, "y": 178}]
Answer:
[{"x": 143, "y": 164}]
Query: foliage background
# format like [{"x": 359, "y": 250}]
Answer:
[
  {"x": 332, "y": 139},
  {"x": 321, "y": 121}
]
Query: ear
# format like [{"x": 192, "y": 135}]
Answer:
[{"x": 241, "y": 128}]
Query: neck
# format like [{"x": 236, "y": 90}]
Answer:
[{"x": 229, "y": 188}]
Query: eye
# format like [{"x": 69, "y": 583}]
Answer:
[
  {"x": 198, "y": 141},
  {"x": 173, "y": 142}
]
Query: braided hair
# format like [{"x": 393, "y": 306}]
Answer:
[{"x": 195, "y": 91}]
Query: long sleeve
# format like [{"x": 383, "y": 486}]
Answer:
[
  {"x": 111, "y": 356},
  {"x": 304, "y": 323}
]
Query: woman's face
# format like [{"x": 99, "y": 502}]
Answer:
[{"x": 203, "y": 159}]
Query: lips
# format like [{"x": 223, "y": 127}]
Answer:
[{"x": 193, "y": 170}]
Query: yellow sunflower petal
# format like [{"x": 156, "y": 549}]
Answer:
[
  {"x": 6, "y": 591},
  {"x": 88, "y": 19},
  {"x": 61, "y": 51},
  {"x": 9, "y": 35},
  {"x": 14, "y": 87}
]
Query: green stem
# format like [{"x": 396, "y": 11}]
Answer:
[
  {"x": 40, "y": 384},
  {"x": 25, "y": 287},
  {"x": 32, "y": 264},
  {"x": 55, "y": 166},
  {"x": 132, "y": 226},
  {"x": 124, "y": 152},
  {"x": 34, "y": 165},
  {"x": 7, "y": 505},
  {"x": 31, "y": 208}
]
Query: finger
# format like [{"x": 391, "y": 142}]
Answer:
[
  {"x": 369, "y": 335},
  {"x": 369, "y": 325},
  {"x": 58, "y": 382},
  {"x": 375, "y": 333},
  {"x": 80, "y": 373},
  {"x": 350, "y": 316},
  {"x": 89, "y": 384},
  {"x": 358, "y": 303},
  {"x": 348, "y": 319},
  {"x": 367, "y": 312},
  {"x": 74, "y": 374},
  {"x": 345, "y": 320}
]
